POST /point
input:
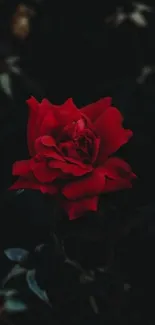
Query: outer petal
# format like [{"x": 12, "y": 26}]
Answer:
[
  {"x": 21, "y": 168},
  {"x": 115, "y": 172},
  {"x": 43, "y": 173},
  {"x": 33, "y": 104},
  {"x": 111, "y": 132},
  {"x": 116, "y": 167},
  {"x": 22, "y": 183},
  {"x": 90, "y": 185},
  {"x": 113, "y": 185},
  {"x": 35, "y": 170},
  {"x": 94, "y": 110},
  {"x": 118, "y": 175},
  {"x": 41, "y": 121},
  {"x": 46, "y": 121},
  {"x": 65, "y": 113},
  {"x": 78, "y": 208}
]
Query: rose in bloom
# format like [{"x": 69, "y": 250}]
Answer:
[{"x": 71, "y": 153}]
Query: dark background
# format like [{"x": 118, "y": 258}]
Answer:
[{"x": 72, "y": 51}]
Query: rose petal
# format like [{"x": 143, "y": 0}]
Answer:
[
  {"x": 90, "y": 185},
  {"x": 117, "y": 168},
  {"x": 45, "y": 115},
  {"x": 119, "y": 175},
  {"x": 46, "y": 147},
  {"x": 80, "y": 126},
  {"x": 47, "y": 121},
  {"x": 32, "y": 103},
  {"x": 65, "y": 113},
  {"x": 113, "y": 185},
  {"x": 21, "y": 168},
  {"x": 78, "y": 208},
  {"x": 21, "y": 183},
  {"x": 98, "y": 181},
  {"x": 41, "y": 121},
  {"x": 94, "y": 110},
  {"x": 79, "y": 163},
  {"x": 43, "y": 173},
  {"x": 49, "y": 189},
  {"x": 70, "y": 169},
  {"x": 111, "y": 132},
  {"x": 40, "y": 170},
  {"x": 96, "y": 146},
  {"x": 48, "y": 125},
  {"x": 47, "y": 141},
  {"x": 69, "y": 150}
]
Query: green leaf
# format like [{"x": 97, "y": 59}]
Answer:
[
  {"x": 16, "y": 271},
  {"x": 8, "y": 292},
  {"x": 31, "y": 281},
  {"x": 16, "y": 254},
  {"x": 14, "y": 306}
]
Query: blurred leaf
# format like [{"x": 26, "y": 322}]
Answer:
[
  {"x": 87, "y": 277},
  {"x": 18, "y": 192},
  {"x": 39, "y": 248},
  {"x": 16, "y": 254},
  {"x": 5, "y": 83},
  {"x": 12, "y": 62},
  {"x": 93, "y": 304},
  {"x": 14, "y": 305},
  {"x": 16, "y": 271},
  {"x": 8, "y": 292},
  {"x": 31, "y": 281},
  {"x": 138, "y": 19}
]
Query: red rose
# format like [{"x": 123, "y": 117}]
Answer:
[{"x": 71, "y": 152}]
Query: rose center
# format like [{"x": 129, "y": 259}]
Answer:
[{"x": 77, "y": 141}]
